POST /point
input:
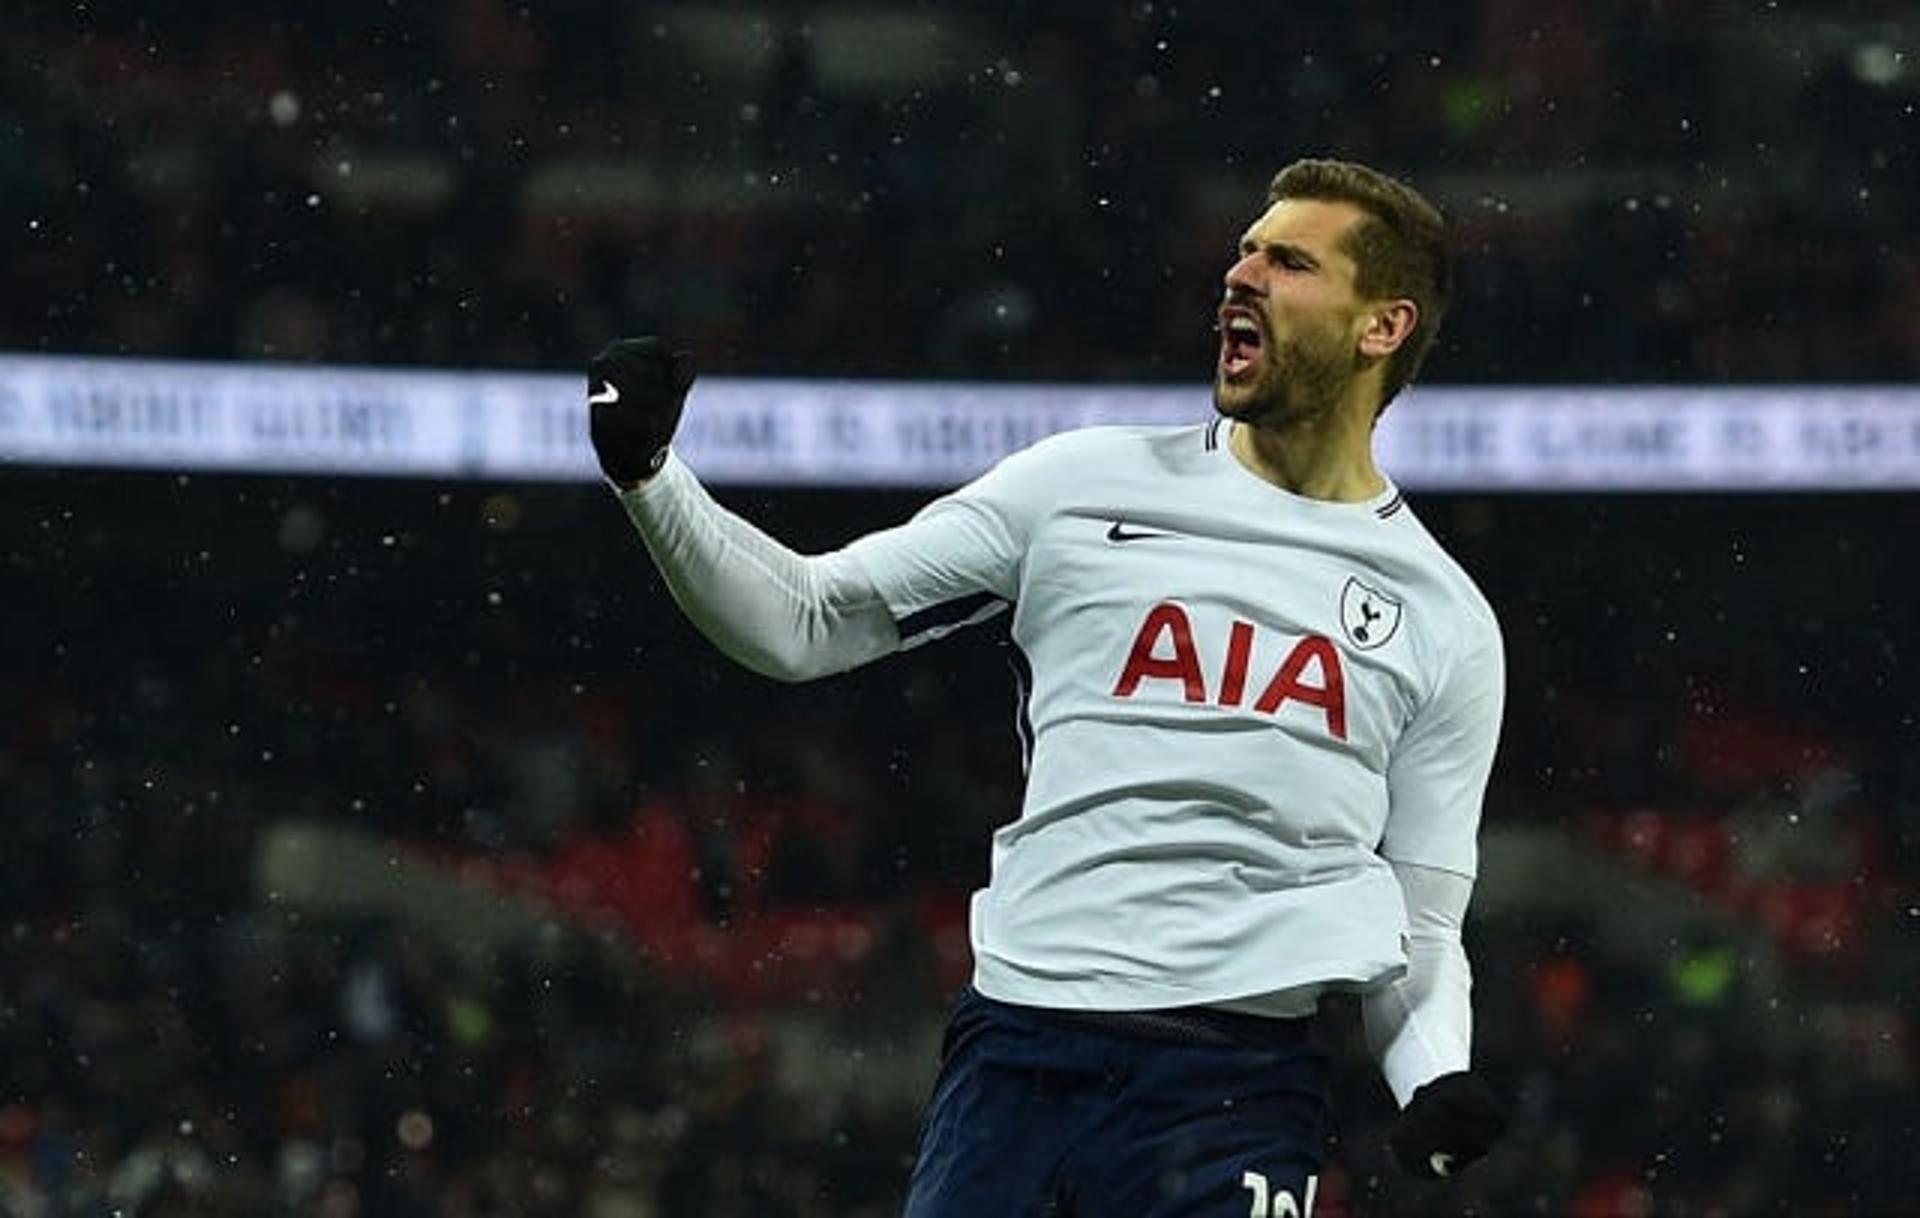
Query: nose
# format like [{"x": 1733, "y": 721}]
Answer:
[{"x": 1244, "y": 277}]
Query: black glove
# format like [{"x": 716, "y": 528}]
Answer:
[
  {"x": 1450, "y": 1122},
  {"x": 636, "y": 388}
]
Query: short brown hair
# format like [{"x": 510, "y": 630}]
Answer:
[{"x": 1399, "y": 248}]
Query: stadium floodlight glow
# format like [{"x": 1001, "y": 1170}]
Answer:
[{"x": 280, "y": 418}]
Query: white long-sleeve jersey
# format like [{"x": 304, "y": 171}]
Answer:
[{"x": 1259, "y": 727}]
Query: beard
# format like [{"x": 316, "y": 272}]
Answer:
[{"x": 1301, "y": 379}]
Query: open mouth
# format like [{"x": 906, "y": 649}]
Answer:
[{"x": 1241, "y": 341}]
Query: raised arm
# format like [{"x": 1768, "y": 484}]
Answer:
[{"x": 783, "y": 614}]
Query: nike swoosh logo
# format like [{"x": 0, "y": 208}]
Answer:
[
  {"x": 609, "y": 392},
  {"x": 1120, "y": 532},
  {"x": 1441, "y": 1163}
]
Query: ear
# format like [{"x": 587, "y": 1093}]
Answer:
[{"x": 1386, "y": 326}]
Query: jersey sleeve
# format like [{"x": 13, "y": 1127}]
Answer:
[
  {"x": 1420, "y": 1026},
  {"x": 959, "y": 559},
  {"x": 782, "y": 614},
  {"x": 1437, "y": 776}
]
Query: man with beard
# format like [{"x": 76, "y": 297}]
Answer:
[{"x": 1264, "y": 705}]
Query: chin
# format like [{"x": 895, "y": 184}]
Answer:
[{"x": 1239, "y": 401}]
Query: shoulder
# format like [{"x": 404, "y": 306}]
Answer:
[
  {"x": 1105, "y": 450},
  {"x": 1468, "y": 616},
  {"x": 1118, "y": 440}
]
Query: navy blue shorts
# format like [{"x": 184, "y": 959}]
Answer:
[{"x": 1056, "y": 1113}]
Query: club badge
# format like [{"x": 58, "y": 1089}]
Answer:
[{"x": 1369, "y": 616}]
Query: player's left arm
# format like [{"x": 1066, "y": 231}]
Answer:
[{"x": 1420, "y": 1027}]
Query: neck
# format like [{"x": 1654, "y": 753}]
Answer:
[{"x": 1328, "y": 457}]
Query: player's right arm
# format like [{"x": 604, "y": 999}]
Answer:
[{"x": 783, "y": 614}]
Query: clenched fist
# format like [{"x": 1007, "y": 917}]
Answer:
[
  {"x": 636, "y": 388},
  {"x": 1450, "y": 1123}
]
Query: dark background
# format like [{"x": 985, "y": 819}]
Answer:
[{"x": 710, "y": 922}]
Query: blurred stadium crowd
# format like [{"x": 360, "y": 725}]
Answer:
[
  {"x": 741, "y": 906},
  {"x": 1642, "y": 191}
]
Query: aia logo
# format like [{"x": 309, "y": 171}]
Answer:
[
  {"x": 1164, "y": 650},
  {"x": 1369, "y": 615}
]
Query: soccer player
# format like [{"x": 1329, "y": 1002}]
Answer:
[{"x": 1264, "y": 705}]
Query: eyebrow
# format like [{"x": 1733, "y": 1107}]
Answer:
[{"x": 1271, "y": 248}]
